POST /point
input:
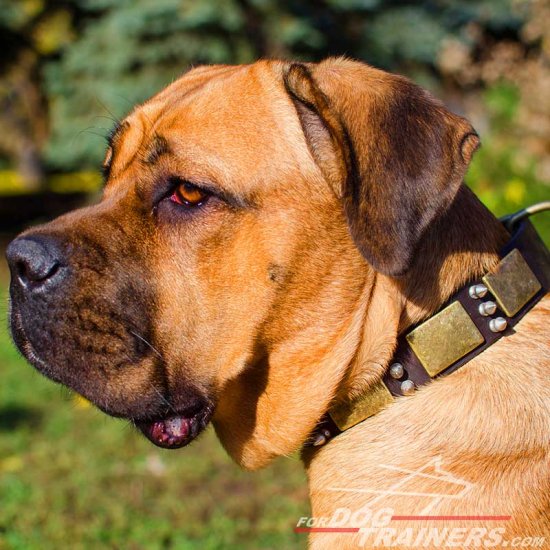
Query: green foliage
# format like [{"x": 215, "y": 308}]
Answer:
[
  {"x": 503, "y": 179},
  {"x": 128, "y": 49},
  {"x": 11, "y": 183},
  {"x": 502, "y": 102},
  {"x": 16, "y": 15},
  {"x": 404, "y": 33}
]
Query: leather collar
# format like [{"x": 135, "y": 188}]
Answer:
[{"x": 474, "y": 318}]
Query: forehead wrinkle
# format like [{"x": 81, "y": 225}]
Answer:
[
  {"x": 180, "y": 115},
  {"x": 174, "y": 97},
  {"x": 113, "y": 138},
  {"x": 157, "y": 147}
]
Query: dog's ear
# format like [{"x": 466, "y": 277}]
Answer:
[{"x": 394, "y": 154}]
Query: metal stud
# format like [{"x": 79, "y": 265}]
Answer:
[
  {"x": 487, "y": 308},
  {"x": 321, "y": 438},
  {"x": 407, "y": 387},
  {"x": 477, "y": 291},
  {"x": 498, "y": 324},
  {"x": 397, "y": 371}
]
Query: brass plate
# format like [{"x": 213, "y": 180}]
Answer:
[
  {"x": 346, "y": 415},
  {"x": 513, "y": 284},
  {"x": 445, "y": 338}
]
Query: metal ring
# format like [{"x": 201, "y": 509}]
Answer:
[{"x": 511, "y": 220}]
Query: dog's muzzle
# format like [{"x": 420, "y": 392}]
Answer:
[{"x": 78, "y": 322}]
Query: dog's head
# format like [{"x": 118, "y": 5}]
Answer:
[{"x": 245, "y": 210}]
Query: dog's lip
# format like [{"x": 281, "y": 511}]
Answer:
[
  {"x": 172, "y": 430},
  {"x": 175, "y": 430},
  {"x": 24, "y": 344}
]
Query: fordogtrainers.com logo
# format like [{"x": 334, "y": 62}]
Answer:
[
  {"x": 376, "y": 525},
  {"x": 381, "y": 529}
]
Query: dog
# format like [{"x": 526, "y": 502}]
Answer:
[{"x": 266, "y": 234}]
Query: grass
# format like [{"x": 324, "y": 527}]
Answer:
[
  {"x": 503, "y": 174},
  {"x": 70, "y": 477}
]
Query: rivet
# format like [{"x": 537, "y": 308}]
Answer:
[
  {"x": 407, "y": 387},
  {"x": 498, "y": 324},
  {"x": 487, "y": 308},
  {"x": 321, "y": 438},
  {"x": 397, "y": 371},
  {"x": 477, "y": 291}
]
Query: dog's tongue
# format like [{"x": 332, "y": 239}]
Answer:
[{"x": 169, "y": 433}]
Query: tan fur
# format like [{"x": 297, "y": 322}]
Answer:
[
  {"x": 488, "y": 422},
  {"x": 269, "y": 308}
]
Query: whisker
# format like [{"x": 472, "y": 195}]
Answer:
[
  {"x": 147, "y": 343},
  {"x": 88, "y": 130},
  {"x": 153, "y": 387},
  {"x": 151, "y": 124},
  {"x": 115, "y": 119},
  {"x": 168, "y": 404}
]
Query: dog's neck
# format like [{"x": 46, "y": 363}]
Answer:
[
  {"x": 342, "y": 340},
  {"x": 462, "y": 245}
]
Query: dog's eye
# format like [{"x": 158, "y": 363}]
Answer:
[{"x": 189, "y": 195}]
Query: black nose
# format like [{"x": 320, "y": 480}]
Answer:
[{"x": 34, "y": 261}]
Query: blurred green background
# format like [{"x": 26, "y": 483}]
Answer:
[{"x": 71, "y": 477}]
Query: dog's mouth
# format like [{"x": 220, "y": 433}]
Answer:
[{"x": 175, "y": 430}]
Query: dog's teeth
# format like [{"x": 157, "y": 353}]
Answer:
[
  {"x": 170, "y": 432},
  {"x": 177, "y": 427}
]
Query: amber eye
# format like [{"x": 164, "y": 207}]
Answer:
[{"x": 188, "y": 194}]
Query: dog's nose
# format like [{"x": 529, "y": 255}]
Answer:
[{"x": 34, "y": 261}]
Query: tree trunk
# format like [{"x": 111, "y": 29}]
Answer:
[
  {"x": 30, "y": 166},
  {"x": 24, "y": 120}
]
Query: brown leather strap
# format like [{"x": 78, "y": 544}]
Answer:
[
  {"x": 535, "y": 253},
  {"x": 537, "y": 257}
]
